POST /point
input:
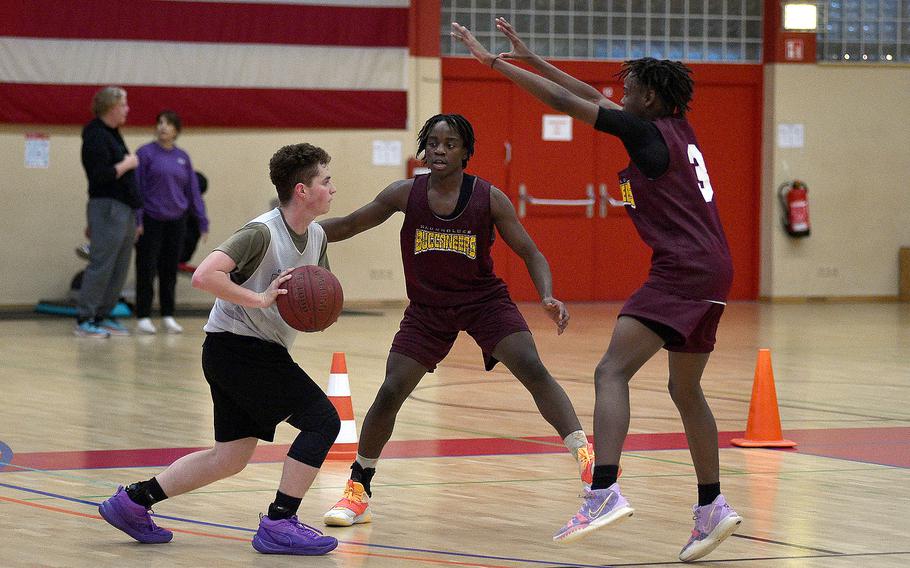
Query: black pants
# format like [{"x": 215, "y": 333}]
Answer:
[{"x": 158, "y": 251}]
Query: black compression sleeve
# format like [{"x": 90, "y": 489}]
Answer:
[{"x": 642, "y": 139}]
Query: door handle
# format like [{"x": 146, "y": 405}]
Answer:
[
  {"x": 607, "y": 199},
  {"x": 524, "y": 200}
]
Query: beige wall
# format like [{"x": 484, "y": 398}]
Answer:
[
  {"x": 43, "y": 212},
  {"x": 856, "y": 162}
]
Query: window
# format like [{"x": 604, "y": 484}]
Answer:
[
  {"x": 688, "y": 30},
  {"x": 864, "y": 31}
]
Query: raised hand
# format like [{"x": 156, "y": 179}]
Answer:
[
  {"x": 557, "y": 312},
  {"x": 465, "y": 36},
  {"x": 519, "y": 51}
]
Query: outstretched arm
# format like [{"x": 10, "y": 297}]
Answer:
[
  {"x": 551, "y": 94},
  {"x": 518, "y": 239},
  {"x": 521, "y": 52},
  {"x": 391, "y": 199}
]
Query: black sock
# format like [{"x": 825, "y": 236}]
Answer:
[
  {"x": 707, "y": 493},
  {"x": 284, "y": 506},
  {"x": 146, "y": 493},
  {"x": 363, "y": 476},
  {"x": 604, "y": 476}
]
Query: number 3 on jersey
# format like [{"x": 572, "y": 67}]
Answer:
[{"x": 701, "y": 172}]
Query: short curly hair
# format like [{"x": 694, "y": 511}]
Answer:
[{"x": 293, "y": 164}]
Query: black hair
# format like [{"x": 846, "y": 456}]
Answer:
[
  {"x": 671, "y": 80},
  {"x": 172, "y": 118},
  {"x": 457, "y": 123},
  {"x": 297, "y": 163}
]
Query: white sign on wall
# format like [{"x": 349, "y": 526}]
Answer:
[
  {"x": 791, "y": 136},
  {"x": 557, "y": 127},
  {"x": 386, "y": 152},
  {"x": 37, "y": 150}
]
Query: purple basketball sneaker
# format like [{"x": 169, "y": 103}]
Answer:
[
  {"x": 290, "y": 536},
  {"x": 713, "y": 524},
  {"x": 133, "y": 519},
  {"x": 600, "y": 508}
]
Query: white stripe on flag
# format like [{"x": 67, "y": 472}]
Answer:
[{"x": 201, "y": 64}]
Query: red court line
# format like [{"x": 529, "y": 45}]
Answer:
[
  {"x": 342, "y": 548},
  {"x": 884, "y": 446}
]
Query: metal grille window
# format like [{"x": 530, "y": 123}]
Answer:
[
  {"x": 864, "y": 31},
  {"x": 687, "y": 30}
]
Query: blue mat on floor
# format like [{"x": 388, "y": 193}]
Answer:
[{"x": 64, "y": 308}]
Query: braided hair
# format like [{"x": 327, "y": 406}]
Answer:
[
  {"x": 671, "y": 80},
  {"x": 457, "y": 123}
]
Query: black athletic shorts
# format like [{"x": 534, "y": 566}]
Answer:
[{"x": 255, "y": 386}]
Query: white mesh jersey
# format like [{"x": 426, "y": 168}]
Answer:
[{"x": 266, "y": 323}]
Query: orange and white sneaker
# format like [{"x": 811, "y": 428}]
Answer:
[
  {"x": 585, "y": 457},
  {"x": 352, "y": 509}
]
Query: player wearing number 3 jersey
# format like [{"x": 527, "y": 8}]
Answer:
[{"x": 667, "y": 192}]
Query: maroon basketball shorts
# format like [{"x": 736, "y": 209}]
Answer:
[
  {"x": 692, "y": 324},
  {"x": 427, "y": 333}
]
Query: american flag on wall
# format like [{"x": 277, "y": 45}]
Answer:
[{"x": 279, "y": 63}]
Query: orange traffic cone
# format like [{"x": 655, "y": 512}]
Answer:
[
  {"x": 339, "y": 392},
  {"x": 763, "y": 428}
]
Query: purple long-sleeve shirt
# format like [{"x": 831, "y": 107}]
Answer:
[{"x": 168, "y": 185}]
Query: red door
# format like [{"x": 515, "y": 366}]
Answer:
[{"x": 559, "y": 171}]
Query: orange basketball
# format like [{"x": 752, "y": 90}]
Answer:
[{"x": 313, "y": 301}]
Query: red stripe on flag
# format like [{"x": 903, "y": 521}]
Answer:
[
  {"x": 218, "y": 22},
  {"x": 23, "y": 103}
]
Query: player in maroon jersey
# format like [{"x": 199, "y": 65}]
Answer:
[
  {"x": 668, "y": 194},
  {"x": 448, "y": 230}
]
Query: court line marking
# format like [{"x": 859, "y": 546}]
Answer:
[
  {"x": 248, "y": 530},
  {"x": 824, "y": 553}
]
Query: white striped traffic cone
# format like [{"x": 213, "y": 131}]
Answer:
[{"x": 339, "y": 392}]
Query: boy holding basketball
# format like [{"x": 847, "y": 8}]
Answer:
[
  {"x": 445, "y": 246},
  {"x": 255, "y": 384}
]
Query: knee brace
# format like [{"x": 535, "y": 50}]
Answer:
[{"x": 319, "y": 425}]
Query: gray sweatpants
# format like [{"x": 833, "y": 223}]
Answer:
[{"x": 112, "y": 225}]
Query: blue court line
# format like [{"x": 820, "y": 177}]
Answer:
[{"x": 348, "y": 542}]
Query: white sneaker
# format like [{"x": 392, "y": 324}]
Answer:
[
  {"x": 145, "y": 325},
  {"x": 171, "y": 325}
]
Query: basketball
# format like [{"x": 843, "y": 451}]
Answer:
[{"x": 313, "y": 301}]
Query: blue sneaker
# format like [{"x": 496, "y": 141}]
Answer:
[
  {"x": 290, "y": 536},
  {"x": 89, "y": 329},
  {"x": 113, "y": 327}
]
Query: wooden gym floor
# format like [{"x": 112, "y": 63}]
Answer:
[{"x": 473, "y": 476}]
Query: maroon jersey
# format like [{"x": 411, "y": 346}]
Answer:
[
  {"x": 676, "y": 215},
  {"x": 447, "y": 261}
]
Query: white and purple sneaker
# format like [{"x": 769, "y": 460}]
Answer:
[
  {"x": 601, "y": 507},
  {"x": 713, "y": 524}
]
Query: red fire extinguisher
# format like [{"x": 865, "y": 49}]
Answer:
[{"x": 794, "y": 202}]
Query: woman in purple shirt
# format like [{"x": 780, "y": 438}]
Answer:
[{"x": 170, "y": 191}]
